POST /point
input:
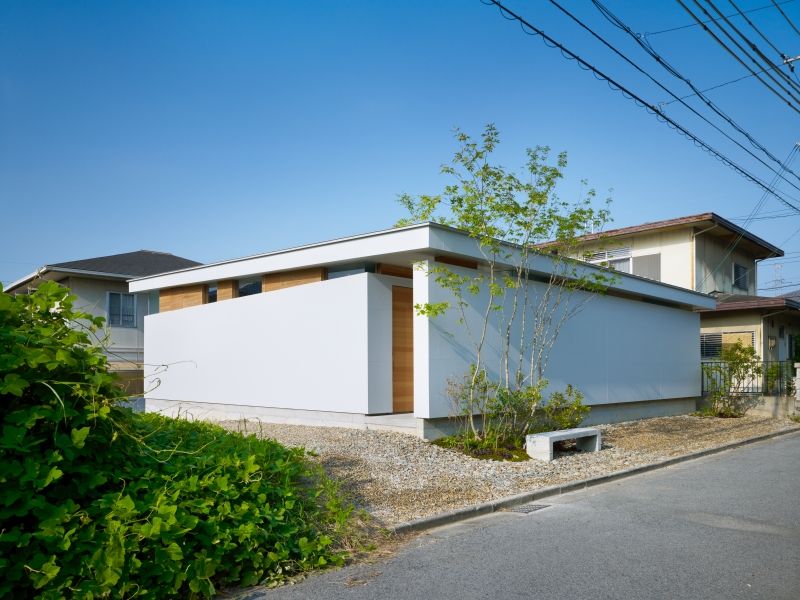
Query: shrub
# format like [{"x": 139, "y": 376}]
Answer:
[
  {"x": 508, "y": 415},
  {"x": 101, "y": 501},
  {"x": 730, "y": 379}
]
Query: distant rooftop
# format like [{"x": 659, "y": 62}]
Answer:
[
  {"x": 134, "y": 264},
  {"x": 727, "y": 302},
  {"x": 115, "y": 266},
  {"x": 761, "y": 248}
]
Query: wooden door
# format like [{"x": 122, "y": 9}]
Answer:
[{"x": 402, "y": 350}]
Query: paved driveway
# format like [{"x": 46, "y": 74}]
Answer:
[{"x": 725, "y": 526}]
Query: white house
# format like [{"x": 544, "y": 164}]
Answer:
[{"x": 327, "y": 333}]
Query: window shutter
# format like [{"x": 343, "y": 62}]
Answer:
[{"x": 648, "y": 266}]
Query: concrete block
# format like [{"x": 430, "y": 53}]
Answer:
[{"x": 540, "y": 445}]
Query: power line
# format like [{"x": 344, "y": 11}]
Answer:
[
  {"x": 732, "y": 246},
  {"x": 788, "y": 20},
  {"x": 764, "y": 58},
  {"x": 790, "y": 103},
  {"x": 737, "y": 80},
  {"x": 758, "y": 31},
  {"x": 752, "y": 10},
  {"x": 527, "y": 28},
  {"x": 608, "y": 45},
  {"x": 648, "y": 48}
]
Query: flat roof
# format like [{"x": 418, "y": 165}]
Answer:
[{"x": 400, "y": 246}]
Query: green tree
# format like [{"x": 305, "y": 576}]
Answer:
[{"x": 510, "y": 216}]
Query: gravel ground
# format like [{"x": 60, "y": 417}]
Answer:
[{"x": 396, "y": 477}]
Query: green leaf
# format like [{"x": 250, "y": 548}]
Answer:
[
  {"x": 13, "y": 384},
  {"x": 174, "y": 552},
  {"x": 79, "y": 436},
  {"x": 44, "y": 573},
  {"x": 52, "y": 475}
]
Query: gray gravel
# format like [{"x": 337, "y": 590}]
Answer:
[{"x": 396, "y": 477}]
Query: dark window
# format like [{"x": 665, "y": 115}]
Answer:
[
  {"x": 121, "y": 310},
  {"x": 739, "y": 277},
  {"x": 350, "y": 269},
  {"x": 212, "y": 293},
  {"x": 248, "y": 287},
  {"x": 710, "y": 345}
]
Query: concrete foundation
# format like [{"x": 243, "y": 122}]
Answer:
[
  {"x": 774, "y": 406},
  {"x": 427, "y": 429},
  {"x": 632, "y": 411}
]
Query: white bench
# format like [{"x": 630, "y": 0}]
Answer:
[{"x": 540, "y": 445}]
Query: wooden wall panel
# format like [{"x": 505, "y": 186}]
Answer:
[
  {"x": 395, "y": 270},
  {"x": 402, "y": 349},
  {"x": 227, "y": 289},
  {"x": 457, "y": 261},
  {"x": 182, "y": 297},
  {"x": 277, "y": 281}
]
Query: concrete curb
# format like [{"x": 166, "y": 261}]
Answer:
[{"x": 461, "y": 514}]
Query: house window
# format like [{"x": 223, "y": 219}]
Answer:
[
  {"x": 152, "y": 302},
  {"x": 212, "y": 293},
  {"x": 350, "y": 269},
  {"x": 739, "y": 277},
  {"x": 248, "y": 287},
  {"x": 712, "y": 344},
  {"x": 121, "y": 310},
  {"x": 618, "y": 259}
]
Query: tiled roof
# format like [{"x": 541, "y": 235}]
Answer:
[{"x": 133, "y": 264}]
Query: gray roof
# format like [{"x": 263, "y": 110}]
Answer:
[{"x": 130, "y": 264}]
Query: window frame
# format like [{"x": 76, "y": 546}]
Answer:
[
  {"x": 135, "y": 310},
  {"x": 735, "y": 280},
  {"x": 608, "y": 258}
]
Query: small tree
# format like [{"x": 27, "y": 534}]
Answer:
[
  {"x": 509, "y": 216},
  {"x": 730, "y": 378}
]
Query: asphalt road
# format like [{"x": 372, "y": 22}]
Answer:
[{"x": 724, "y": 526}]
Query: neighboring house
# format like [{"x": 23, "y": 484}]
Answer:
[
  {"x": 101, "y": 287},
  {"x": 328, "y": 334},
  {"x": 709, "y": 254}
]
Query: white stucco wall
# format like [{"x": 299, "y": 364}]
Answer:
[
  {"x": 614, "y": 350},
  {"x": 307, "y": 347}
]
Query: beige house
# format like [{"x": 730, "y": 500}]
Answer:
[
  {"x": 100, "y": 285},
  {"x": 708, "y": 254}
]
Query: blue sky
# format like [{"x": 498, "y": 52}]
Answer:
[{"x": 214, "y": 130}]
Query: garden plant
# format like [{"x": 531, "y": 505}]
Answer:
[{"x": 98, "y": 501}]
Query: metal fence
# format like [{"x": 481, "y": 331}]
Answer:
[{"x": 776, "y": 378}]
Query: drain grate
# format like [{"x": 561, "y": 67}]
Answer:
[{"x": 526, "y": 509}]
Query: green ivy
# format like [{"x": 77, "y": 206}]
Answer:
[{"x": 99, "y": 501}]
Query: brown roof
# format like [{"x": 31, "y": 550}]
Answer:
[
  {"x": 767, "y": 250},
  {"x": 742, "y": 302}
]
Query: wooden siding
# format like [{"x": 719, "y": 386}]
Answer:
[
  {"x": 182, "y": 297},
  {"x": 277, "y": 281},
  {"x": 227, "y": 289},
  {"x": 395, "y": 270},
  {"x": 457, "y": 261},
  {"x": 402, "y": 350}
]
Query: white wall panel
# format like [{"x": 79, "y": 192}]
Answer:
[
  {"x": 613, "y": 350},
  {"x": 304, "y": 347}
]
